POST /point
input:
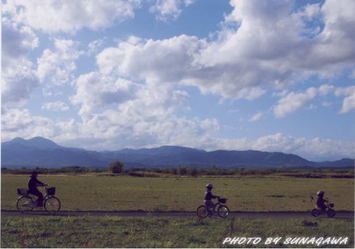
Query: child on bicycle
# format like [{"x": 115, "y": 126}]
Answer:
[
  {"x": 321, "y": 201},
  {"x": 208, "y": 198},
  {"x": 32, "y": 188}
]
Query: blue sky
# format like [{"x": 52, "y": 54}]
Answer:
[{"x": 211, "y": 74}]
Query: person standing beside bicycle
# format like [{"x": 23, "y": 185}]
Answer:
[
  {"x": 208, "y": 198},
  {"x": 33, "y": 183}
]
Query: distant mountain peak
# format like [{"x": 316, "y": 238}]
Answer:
[
  {"x": 18, "y": 140},
  {"x": 40, "y": 139},
  {"x": 37, "y": 142}
]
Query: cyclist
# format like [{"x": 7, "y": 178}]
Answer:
[
  {"x": 321, "y": 201},
  {"x": 208, "y": 198},
  {"x": 32, "y": 188}
]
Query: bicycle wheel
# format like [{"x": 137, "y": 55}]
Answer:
[
  {"x": 331, "y": 213},
  {"x": 24, "y": 203},
  {"x": 315, "y": 212},
  {"x": 52, "y": 204},
  {"x": 202, "y": 211},
  {"x": 223, "y": 211},
  {"x": 216, "y": 207}
]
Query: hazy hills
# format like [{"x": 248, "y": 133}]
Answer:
[{"x": 41, "y": 152}]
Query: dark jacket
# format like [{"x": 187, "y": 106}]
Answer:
[
  {"x": 209, "y": 196},
  {"x": 321, "y": 203},
  {"x": 33, "y": 183}
]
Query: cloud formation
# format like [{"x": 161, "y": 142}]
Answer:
[
  {"x": 256, "y": 117},
  {"x": 56, "y": 106},
  {"x": 109, "y": 130},
  {"x": 257, "y": 48},
  {"x": 17, "y": 41},
  {"x": 18, "y": 83},
  {"x": 349, "y": 100},
  {"x": 18, "y": 73},
  {"x": 70, "y": 16},
  {"x": 293, "y": 101},
  {"x": 310, "y": 148},
  {"x": 139, "y": 85},
  {"x": 56, "y": 65},
  {"x": 169, "y": 9},
  {"x": 95, "y": 90}
]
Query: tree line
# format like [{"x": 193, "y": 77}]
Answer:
[{"x": 118, "y": 168}]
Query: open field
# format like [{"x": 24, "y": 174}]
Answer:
[
  {"x": 269, "y": 193},
  {"x": 162, "y": 232}
]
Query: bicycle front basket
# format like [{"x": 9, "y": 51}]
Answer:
[
  {"x": 22, "y": 191},
  {"x": 51, "y": 191},
  {"x": 222, "y": 200}
]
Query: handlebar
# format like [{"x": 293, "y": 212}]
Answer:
[{"x": 222, "y": 200}]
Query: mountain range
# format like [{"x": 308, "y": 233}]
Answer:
[{"x": 42, "y": 152}]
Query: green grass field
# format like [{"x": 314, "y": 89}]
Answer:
[
  {"x": 161, "y": 232},
  {"x": 269, "y": 193}
]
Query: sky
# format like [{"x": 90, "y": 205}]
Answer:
[{"x": 276, "y": 75}]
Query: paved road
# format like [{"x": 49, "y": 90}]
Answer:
[{"x": 340, "y": 214}]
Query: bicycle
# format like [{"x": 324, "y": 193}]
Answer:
[
  {"x": 27, "y": 203},
  {"x": 329, "y": 209},
  {"x": 219, "y": 208}
]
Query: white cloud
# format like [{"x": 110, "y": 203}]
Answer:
[
  {"x": 282, "y": 93},
  {"x": 293, "y": 101},
  {"x": 250, "y": 93},
  {"x": 169, "y": 9},
  {"x": 71, "y": 16},
  {"x": 349, "y": 100},
  {"x": 113, "y": 106},
  {"x": 312, "y": 10},
  {"x": 134, "y": 91},
  {"x": 109, "y": 130},
  {"x": 309, "y": 148},
  {"x": 113, "y": 129},
  {"x": 268, "y": 48},
  {"x": 55, "y": 66},
  {"x": 95, "y": 90},
  {"x": 17, "y": 42},
  {"x": 117, "y": 112},
  {"x": 55, "y": 106},
  {"x": 94, "y": 46},
  {"x": 152, "y": 60},
  {"x": 21, "y": 123},
  {"x": 18, "y": 82},
  {"x": 129, "y": 126},
  {"x": 173, "y": 60},
  {"x": 18, "y": 75},
  {"x": 325, "y": 89},
  {"x": 256, "y": 117}
]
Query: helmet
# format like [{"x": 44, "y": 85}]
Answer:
[
  {"x": 34, "y": 174},
  {"x": 210, "y": 186},
  {"x": 319, "y": 193}
]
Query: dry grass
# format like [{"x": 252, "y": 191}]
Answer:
[{"x": 99, "y": 192}]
